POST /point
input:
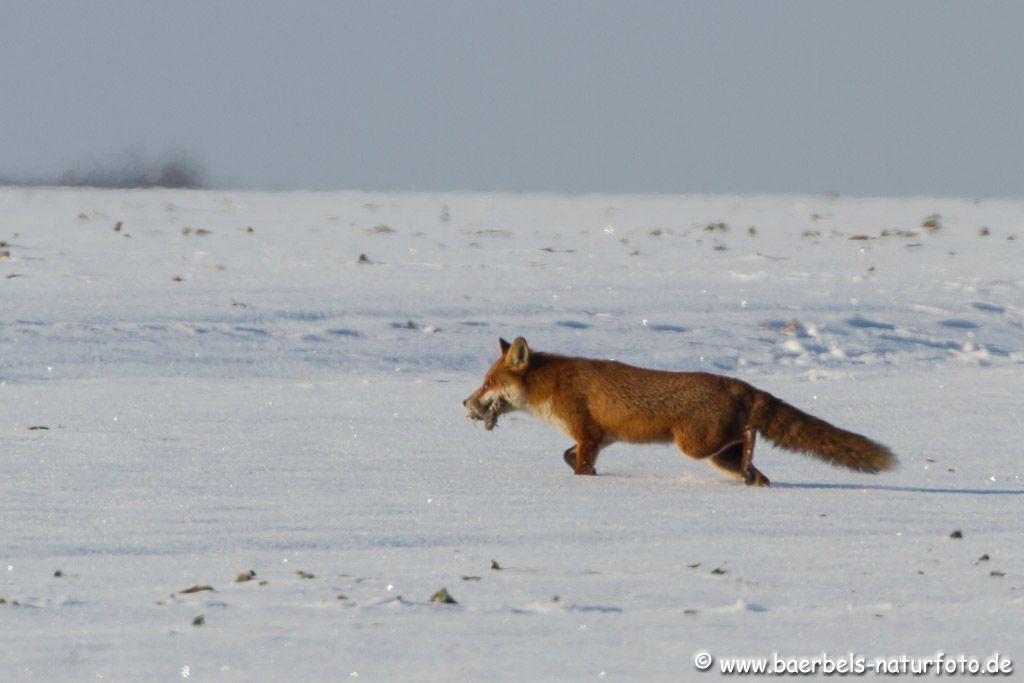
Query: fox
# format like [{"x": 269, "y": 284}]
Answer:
[{"x": 708, "y": 417}]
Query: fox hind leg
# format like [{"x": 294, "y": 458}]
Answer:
[
  {"x": 729, "y": 462},
  {"x": 751, "y": 475},
  {"x": 731, "y": 459}
]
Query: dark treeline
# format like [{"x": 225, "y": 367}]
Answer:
[{"x": 177, "y": 172}]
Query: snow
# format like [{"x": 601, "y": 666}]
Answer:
[{"x": 227, "y": 385}]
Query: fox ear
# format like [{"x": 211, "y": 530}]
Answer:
[
  {"x": 517, "y": 357},
  {"x": 503, "y": 346}
]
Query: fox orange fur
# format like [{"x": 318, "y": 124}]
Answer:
[{"x": 599, "y": 402}]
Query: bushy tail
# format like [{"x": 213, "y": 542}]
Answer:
[{"x": 795, "y": 430}]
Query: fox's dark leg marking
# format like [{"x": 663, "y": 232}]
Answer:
[{"x": 570, "y": 456}]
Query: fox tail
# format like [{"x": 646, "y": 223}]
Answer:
[{"x": 795, "y": 430}]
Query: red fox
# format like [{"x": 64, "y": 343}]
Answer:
[{"x": 599, "y": 402}]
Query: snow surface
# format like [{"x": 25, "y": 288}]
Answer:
[{"x": 228, "y": 386}]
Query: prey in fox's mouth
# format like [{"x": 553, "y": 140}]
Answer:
[{"x": 487, "y": 413}]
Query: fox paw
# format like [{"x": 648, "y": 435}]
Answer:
[
  {"x": 753, "y": 477},
  {"x": 570, "y": 459}
]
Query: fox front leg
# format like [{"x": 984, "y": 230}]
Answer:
[
  {"x": 570, "y": 459},
  {"x": 586, "y": 456}
]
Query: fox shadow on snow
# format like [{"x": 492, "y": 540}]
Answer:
[{"x": 900, "y": 489}]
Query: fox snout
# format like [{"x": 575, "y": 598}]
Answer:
[
  {"x": 479, "y": 408},
  {"x": 474, "y": 405}
]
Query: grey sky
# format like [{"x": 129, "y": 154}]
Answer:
[{"x": 864, "y": 98}]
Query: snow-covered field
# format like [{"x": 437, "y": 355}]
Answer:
[{"x": 199, "y": 384}]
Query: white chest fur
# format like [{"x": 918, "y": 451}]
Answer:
[{"x": 546, "y": 413}]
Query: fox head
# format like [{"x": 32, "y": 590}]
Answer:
[{"x": 503, "y": 389}]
